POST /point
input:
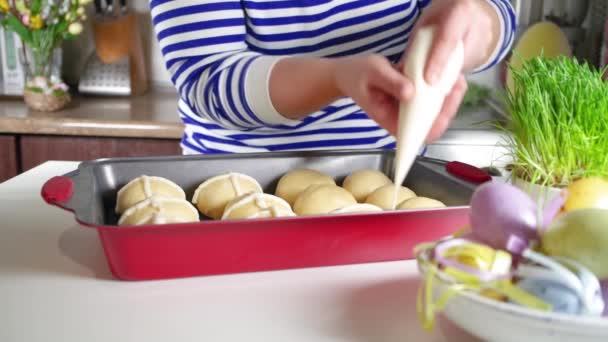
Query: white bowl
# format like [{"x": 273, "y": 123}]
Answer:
[
  {"x": 492, "y": 320},
  {"x": 538, "y": 193}
]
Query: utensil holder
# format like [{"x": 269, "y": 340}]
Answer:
[{"x": 119, "y": 37}]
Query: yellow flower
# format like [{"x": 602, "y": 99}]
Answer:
[
  {"x": 4, "y": 6},
  {"x": 36, "y": 22},
  {"x": 75, "y": 28}
]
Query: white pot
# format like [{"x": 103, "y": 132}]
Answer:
[{"x": 540, "y": 194}]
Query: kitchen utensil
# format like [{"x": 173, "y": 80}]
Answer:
[
  {"x": 416, "y": 116},
  {"x": 566, "y": 13},
  {"x": 569, "y": 15},
  {"x": 461, "y": 170},
  {"x": 109, "y": 8},
  {"x": 117, "y": 66},
  {"x": 106, "y": 78},
  {"x": 219, "y": 247},
  {"x": 98, "y": 7},
  {"x": 123, "y": 7}
]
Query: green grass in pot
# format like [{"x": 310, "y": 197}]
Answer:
[
  {"x": 475, "y": 96},
  {"x": 559, "y": 127}
]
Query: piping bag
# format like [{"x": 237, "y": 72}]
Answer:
[{"x": 416, "y": 116}]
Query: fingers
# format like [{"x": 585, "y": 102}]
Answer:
[
  {"x": 399, "y": 65},
  {"x": 451, "y": 31},
  {"x": 448, "y": 110},
  {"x": 384, "y": 76},
  {"x": 383, "y": 109}
]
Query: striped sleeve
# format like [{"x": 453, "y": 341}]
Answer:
[
  {"x": 508, "y": 25},
  {"x": 204, "y": 49}
]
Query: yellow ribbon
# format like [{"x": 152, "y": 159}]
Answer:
[
  {"x": 473, "y": 255},
  {"x": 481, "y": 257}
]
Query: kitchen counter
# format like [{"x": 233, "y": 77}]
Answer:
[
  {"x": 149, "y": 125},
  {"x": 153, "y": 115},
  {"x": 55, "y": 285}
]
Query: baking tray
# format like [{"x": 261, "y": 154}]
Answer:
[{"x": 221, "y": 247}]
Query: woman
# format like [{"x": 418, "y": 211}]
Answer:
[{"x": 261, "y": 75}]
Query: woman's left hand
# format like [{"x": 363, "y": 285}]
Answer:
[{"x": 476, "y": 24}]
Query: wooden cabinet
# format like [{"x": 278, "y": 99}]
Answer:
[
  {"x": 19, "y": 153},
  {"x": 8, "y": 157},
  {"x": 36, "y": 149}
]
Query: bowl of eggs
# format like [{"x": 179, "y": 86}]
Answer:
[{"x": 520, "y": 272}]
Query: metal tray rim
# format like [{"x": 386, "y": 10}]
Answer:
[{"x": 88, "y": 166}]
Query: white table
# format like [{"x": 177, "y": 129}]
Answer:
[{"x": 55, "y": 285}]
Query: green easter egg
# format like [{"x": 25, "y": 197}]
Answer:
[{"x": 580, "y": 235}]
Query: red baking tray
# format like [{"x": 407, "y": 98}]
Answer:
[{"x": 221, "y": 247}]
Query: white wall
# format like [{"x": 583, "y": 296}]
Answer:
[{"x": 77, "y": 51}]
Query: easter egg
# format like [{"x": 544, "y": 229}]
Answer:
[
  {"x": 500, "y": 212},
  {"x": 586, "y": 193},
  {"x": 582, "y": 236},
  {"x": 561, "y": 298}
]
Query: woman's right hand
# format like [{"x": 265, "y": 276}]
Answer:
[{"x": 375, "y": 84}]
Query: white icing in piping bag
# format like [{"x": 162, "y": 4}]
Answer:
[{"x": 416, "y": 117}]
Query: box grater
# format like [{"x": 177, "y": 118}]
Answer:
[{"x": 106, "y": 79}]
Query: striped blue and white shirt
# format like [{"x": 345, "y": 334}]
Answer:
[{"x": 220, "y": 53}]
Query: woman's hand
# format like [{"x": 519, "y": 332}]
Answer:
[
  {"x": 375, "y": 84},
  {"x": 378, "y": 86},
  {"x": 476, "y": 24}
]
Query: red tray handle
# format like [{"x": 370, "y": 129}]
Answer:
[
  {"x": 468, "y": 172},
  {"x": 58, "y": 189}
]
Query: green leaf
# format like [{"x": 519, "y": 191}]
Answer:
[
  {"x": 59, "y": 93},
  {"x": 13, "y": 24},
  {"x": 35, "y": 90},
  {"x": 35, "y": 6},
  {"x": 475, "y": 95},
  {"x": 61, "y": 27}
]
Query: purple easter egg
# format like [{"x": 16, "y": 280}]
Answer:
[{"x": 502, "y": 214}]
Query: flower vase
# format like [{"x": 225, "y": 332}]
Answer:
[{"x": 44, "y": 90}]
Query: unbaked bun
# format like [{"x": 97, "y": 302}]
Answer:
[
  {"x": 363, "y": 182},
  {"x": 212, "y": 195},
  {"x": 322, "y": 199},
  {"x": 420, "y": 203},
  {"x": 257, "y": 205},
  {"x": 358, "y": 208},
  {"x": 383, "y": 197},
  {"x": 159, "y": 210},
  {"x": 293, "y": 183},
  {"x": 144, "y": 187}
]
